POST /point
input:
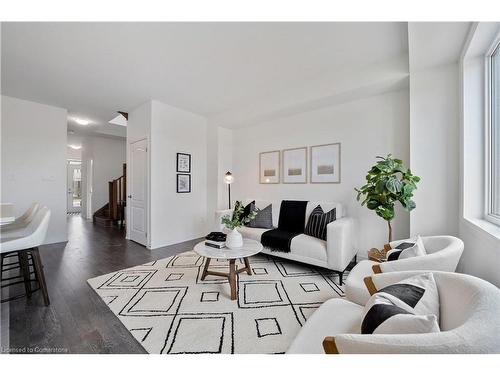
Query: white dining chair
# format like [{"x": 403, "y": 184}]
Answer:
[
  {"x": 25, "y": 245},
  {"x": 17, "y": 228}
]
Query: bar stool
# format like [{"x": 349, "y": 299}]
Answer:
[{"x": 25, "y": 245}]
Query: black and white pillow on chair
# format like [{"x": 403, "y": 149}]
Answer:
[
  {"x": 407, "y": 250},
  {"x": 409, "y": 306}
]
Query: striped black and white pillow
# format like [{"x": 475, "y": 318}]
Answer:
[
  {"x": 318, "y": 220},
  {"x": 409, "y": 306},
  {"x": 407, "y": 250}
]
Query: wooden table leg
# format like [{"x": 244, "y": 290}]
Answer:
[
  {"x": 232, "y": 278},
  {"x": 247, "y": 266},
  {"x": 207, "y": 263}
]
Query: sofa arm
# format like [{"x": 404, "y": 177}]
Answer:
[{"x": 340, "y": 243}]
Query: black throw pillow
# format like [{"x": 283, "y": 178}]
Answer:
[
  {"x": 246, "y": 211},
  {"x": 318, "y": 220}
]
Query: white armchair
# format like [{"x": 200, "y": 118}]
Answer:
[
  {"x": 443, "y": 254},
  {"x": 469, "y": 321}
]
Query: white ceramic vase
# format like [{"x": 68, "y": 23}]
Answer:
[{"x": 234, "y": 239}]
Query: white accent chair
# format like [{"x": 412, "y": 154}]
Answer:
[
  {"x": 25, "y": 243},
  {"x": 335, "y": 253},
  {"x": 469, "y": 322},
  {"x": 443, "y": 254}
]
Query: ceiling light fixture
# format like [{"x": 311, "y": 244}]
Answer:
[
  {"x": 80, "y": 121},
  {"x": 75, "y": 147}
]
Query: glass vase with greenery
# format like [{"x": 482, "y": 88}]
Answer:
[{"x": 389, "y": 181}]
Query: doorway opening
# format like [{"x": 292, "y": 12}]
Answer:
[{"x": 74, "y": 184}]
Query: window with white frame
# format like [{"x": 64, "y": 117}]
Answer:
[{"x": 493, "y": 154}]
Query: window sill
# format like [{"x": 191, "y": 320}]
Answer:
[{"x": 484, "y": 226}]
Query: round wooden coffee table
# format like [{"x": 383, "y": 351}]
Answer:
[{"x": 249, "y": 248}]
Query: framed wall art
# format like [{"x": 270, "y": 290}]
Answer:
[
  {"x": 183, "y": 183},
  {"x": 295, "y": 165},
  {"x": 269, "y": 167},
  {"x": 325, "y": 164},
  {"x": 183, "y": 163}
]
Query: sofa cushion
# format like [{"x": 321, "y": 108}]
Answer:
[
  {"x": 326, "y": 206},
  {"x": 252, "y": 233},
  {"x": 309, "y": 247},
  {"x": 318, "y": 220},
  {"x": 406, "y": 250},
  {"x": 333, "y": 317},
  {"x": 263, "y": 218},
  {"x": 408, "y": 306},
  {"x": 246, "y": 211}
]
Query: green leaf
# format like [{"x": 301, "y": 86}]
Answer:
[
  {"x": 385, "y": 212},
  {"x": 381, "y": 185},
  {"x": 372, "y": 204},
  {"x": 410, "y": 205},
  {"x": 393, "y": 185}
]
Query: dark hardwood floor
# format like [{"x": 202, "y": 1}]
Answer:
[{"x": 77, "y": 320}]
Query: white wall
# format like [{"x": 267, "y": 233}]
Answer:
[
  {"x": 434, "y": 149},
  {"x": 177, "y": 217},
  {"x": 366, "y": 128},
  {"x": 173, "y": 217},
  {"x": 481, "y": 255},
  {"x": 108, "y": 154},
  {"x": 34, "y": 160}
]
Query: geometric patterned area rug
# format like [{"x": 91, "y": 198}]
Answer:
[{"x": 169, "y": 310}]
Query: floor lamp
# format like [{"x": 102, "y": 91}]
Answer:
[{"x": 228, "y": 179}]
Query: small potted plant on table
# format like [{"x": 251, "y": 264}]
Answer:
[{"x": 234, "y": 238}]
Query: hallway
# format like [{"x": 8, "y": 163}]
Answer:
[{"x": 77, "y": 320}]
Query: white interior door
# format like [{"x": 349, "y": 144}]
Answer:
[
  {"x": 138, "y": 192},
  {"x": 74, "y": 184}
]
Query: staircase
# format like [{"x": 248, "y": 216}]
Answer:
[{"x": 113, "y": 212}]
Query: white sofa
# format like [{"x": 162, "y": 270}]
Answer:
[
  {"x": 469, "y": 321},
  {"x": 335, "y": 253},
  {"x": 443, "y": 254}
]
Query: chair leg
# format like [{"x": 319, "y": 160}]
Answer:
[
  {"x": 341, "y": 276},
  {"x": 37, "y": 262},
  {"x": 25, "y": 270},
  {"x": 1, "y": 267}
]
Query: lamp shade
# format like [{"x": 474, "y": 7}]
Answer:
[{"x": 228, "y": 178}]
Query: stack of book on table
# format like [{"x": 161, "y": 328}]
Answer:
[{"x": 216, "y": 240}]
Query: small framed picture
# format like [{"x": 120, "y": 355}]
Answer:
[
  {"x": 183, "y": 163},
  {"x": 325, "y": 164},
  {"x": 295, "y": 166},
  {"x": 269, "y": 167},
  {"x": 183, "y": 183}
]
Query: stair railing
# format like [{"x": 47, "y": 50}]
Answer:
[{"x": 117, "y": 197}]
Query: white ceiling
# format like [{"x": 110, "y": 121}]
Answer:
[{"x": 96, "y": 69}]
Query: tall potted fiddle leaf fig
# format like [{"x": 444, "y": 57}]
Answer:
[{"x": 389, "y": 181}]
